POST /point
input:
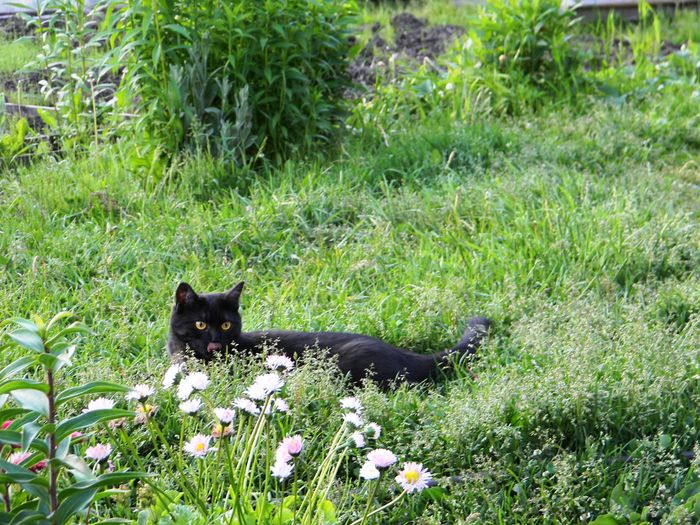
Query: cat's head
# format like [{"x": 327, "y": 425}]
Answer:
[{"x": 206, "y": 323}]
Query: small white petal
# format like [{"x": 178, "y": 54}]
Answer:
[
  {"x": 353, "y": 419},
  {"x": 191, "y": 406},
  {"x": 358, "y": 438},
  {"x": 279, "y": 362},
  {"x": 382, "y": 457},
  {"x": 281, "y": 469},
  {"x": 225, "y": 415},
  {"x": 351, "y": 403},
  {"x": 369, "y": 471},
  {"x": 198, "y": 446},
  {"x": 101, "y": 403}
]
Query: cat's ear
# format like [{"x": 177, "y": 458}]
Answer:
[
  {"x": 234, "y": 294},
  {"x": 184, "y": 294}
]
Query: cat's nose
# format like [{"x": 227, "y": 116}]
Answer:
[{"x": 213, "y": 347}]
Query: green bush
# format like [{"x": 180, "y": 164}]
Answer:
[
  {"x": 234, "y": 76},
  {"x": 523, "y": 52}
]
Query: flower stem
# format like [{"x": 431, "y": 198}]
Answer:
[
  {"x": 370, "y": 499},
  {"x": 182, "y": 478},
  {"x": 53, "y": 468},
  {"x": 386, "y": 506},
  {"x": 6, "y": 497}
]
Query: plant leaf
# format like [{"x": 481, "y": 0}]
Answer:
[
  {"x": 22, "y": 384},
  {"x": 27, "y": 339},
  {"x": 112, "y": 478},
  {"x": 16, "y": 367},
  {"x": 58, "y": 317},
  {"x": 86, "y": 419},
  {"x": 34, "y": 400},
  {"x": 29, "y": 432},
  {"x": 95, "y": 387},
  {"x": 607, "y": 519},
  {"x": 72, "y": 505}
]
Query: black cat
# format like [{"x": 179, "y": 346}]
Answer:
[{"x": 206, "y": 325}]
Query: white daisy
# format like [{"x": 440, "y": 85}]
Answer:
[
  {"x": 173, "y": 375},
  {"x": 351, "y": 403},
  {"x": 99, "y": 452},
  {"x": 256, "y": 391},
  {"x": 280, "y": 405},
  {"x": 279, "y": 362},
  {"x": 198, "y": 380},
  {"x": 184, "y": 389},
  {"x": 382, "y": 457},
  {"x": 353, "y": 419},
  {"x": 281, "y": 469},
  {"x": 413, "y": 477},
  {"x": 264, "y": 385},
  {"x": 358, "y": 439},
  {"x": 369, "y": 471},
  {"x": 101, "y": 403},
  {"x": 225, "y": 415},
  {"x": 191, "y": 406},
  {"x": 198, "y": 446},
  {"x": 140, "y": 392},
  {"x": 373, "y": 430},
  {"x": 246, "y": 405},
  {"x": 293, "y": 444}
]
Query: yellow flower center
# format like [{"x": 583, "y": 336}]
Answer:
[
  {"x": 200, "y": 447},
  {"x": 412, "y": 476}
]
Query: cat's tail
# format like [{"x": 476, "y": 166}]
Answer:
[{"x": 477, "y": 329}]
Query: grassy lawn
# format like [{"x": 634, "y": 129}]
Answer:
[
  {"x": 575, "y": 230},
  {"x": 15, "y": 54}
]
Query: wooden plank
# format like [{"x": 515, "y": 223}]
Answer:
[
  {"x": 12, "y": 7},
  {"x": 23, "y": 110},
  {"x": 604, "y": 5},
  {"x": 32, "y": 112},
  {"x": 627, "y": 9}
]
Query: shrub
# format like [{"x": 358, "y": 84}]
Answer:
[
  {"x": 523, "y": 50},
  {"x": 197, "y": 66}
]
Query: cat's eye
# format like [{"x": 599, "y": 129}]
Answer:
[
  {"x": 201, "y": 325},
  {"x": 225, "y": 325}
]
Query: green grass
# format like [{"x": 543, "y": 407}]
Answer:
[
  {"x": 576, "y": 231},
  {"x": 580, "y": 241},
  {"x": 15, "y": 55}
]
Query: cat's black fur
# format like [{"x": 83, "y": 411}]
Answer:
[{"x": 357, "y": 354}]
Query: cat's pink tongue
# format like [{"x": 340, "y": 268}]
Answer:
[{"x": 212, "y": 347}]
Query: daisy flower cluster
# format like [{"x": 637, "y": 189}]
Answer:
[
  {"x": 361, "y": 431},
  {"x": 260, "y": 395},
  {"x": 412, "y": 478}
]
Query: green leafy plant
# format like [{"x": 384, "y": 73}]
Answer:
[
  {"x": 523, "y": 52},
  {"x": 79, "y": 77},
  {"x": 13, "y": 135},
  {"x": 54, "y": 482},
  {"x": 189, "y": 63}
]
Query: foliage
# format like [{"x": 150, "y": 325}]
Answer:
[
  {"x": 190, "y": 64},
  {"x": 56, "y": 484},
  {"x": 13, "y": 134},
  {"x": 523, "y": 51},
  {"x": 79, "y": 77}
]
